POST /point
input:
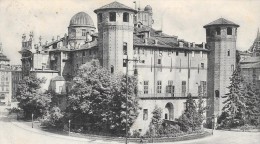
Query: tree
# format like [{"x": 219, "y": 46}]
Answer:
[
  {"x": 234, "y": 103},
  {"x": 252, "y": 110},
  {"x": 193, "y": 115},
  {"x": 31, "y": 99},
  {"x": 98, "y": 99}
]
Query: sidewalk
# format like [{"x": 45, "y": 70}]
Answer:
[{"x": 34, "y": 130}]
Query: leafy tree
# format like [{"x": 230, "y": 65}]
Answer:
[
  {"x": 98, "y": 99},
  {"x": 234, "y": 103},
  {"x": 31, "y": 99}
]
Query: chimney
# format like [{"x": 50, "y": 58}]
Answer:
[
  {"x": 145, "y": 41},
  {"x": 146, "y": 34},
  {"x": 193, "y": 44},
  {"x": 203, "y": 45},
  {"x": 180, "y": 44},
  {"x": 155, "y": 42},
  {"x": 188, "y": 44}
]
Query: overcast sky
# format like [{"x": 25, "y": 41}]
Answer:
[{"x": 182, "y": 18}]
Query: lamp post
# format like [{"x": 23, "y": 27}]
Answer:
[
  {"x": 69, "y": 127},
  {"x": 126, "y": 128},
  {"x": 213, "y": 122},
  {"x": 32, "y": 120}
]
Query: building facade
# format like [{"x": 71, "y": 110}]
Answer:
[
  {"x": 5, "y": 81},
  {"x": 168, "y": 68},
  {"x": 251, "y": 64}
]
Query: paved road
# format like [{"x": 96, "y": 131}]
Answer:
[
  {"x": 10, "y": 133},
  {"x": 227, "y": 137}
]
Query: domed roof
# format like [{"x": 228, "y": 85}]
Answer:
[
  {"x": 81, "y": 19},
  {"x": 148, "y": 8}
]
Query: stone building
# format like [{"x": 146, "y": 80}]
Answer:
[
  {"x": 251, "y": 65},
  {"x": 168, "y": 68},
  {"x": 5, "y": 80}
]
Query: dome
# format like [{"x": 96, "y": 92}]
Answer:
[
  {"x": 148, "y": 8},
  {"x": 81, "y": 19}
]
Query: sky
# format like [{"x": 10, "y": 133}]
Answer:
[{"x": 182, "y": 18}]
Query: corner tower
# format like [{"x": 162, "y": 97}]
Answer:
[
  {"x": 221, "y": 36},
  {"x": 115, "y": 33}
]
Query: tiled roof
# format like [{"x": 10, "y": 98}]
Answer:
[
  {"x": 221, "y": 21},
  {"x": 163, "y": 40},
  {"x": 115, "y": 5}
]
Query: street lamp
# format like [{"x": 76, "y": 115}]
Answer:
[
  {"x": 32, "y": 120},
  {"x": 213, "y": 122},
  {"x": 126, "y": 61},
  {"x": 69, "y": 127}
]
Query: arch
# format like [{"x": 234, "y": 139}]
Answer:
[{"x": 169, "y": 111}]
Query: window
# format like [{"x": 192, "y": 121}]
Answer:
[
  {"x": 170, "y": 87},
  {"x": 159, "y": 61},
  {"x": 112, "y": 16},
  {"x": 100, "y": 17},
  {"x": 217, "y": 93},
  {"x": 183, "y": 88},
  {"x": 228, "y": 53},
  {"x": 125, "y": 48},
  {"x": 89, "y": 52},
  {"x": 145, "y": 114},
  {"x": 159, "y": 86},
  {"x": 83, "y": 32},
  {"x": 229, "y": 31},
  {"x": 83, "y": 53},
  {"x": 125, "y": 17},
  {"x": 193, "y": 54},
  {"x": 166, "y": 116},
  {"x": 112, "y": 69},
  {"x": 7, "y": 88},
  {"x": 202, "y": 65},
  {"x": 124, "y": 62},
  {"x": 146, "y": 86},
  {"x": 177, "y": 53},
  {"x": 185, "y": 53},
  {"x": 232, "y": 68},
  {"x": 218, "y": 30}
]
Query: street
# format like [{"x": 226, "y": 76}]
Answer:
[{"x": 10, "y": 133}]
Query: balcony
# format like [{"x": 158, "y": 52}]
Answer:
[{"x": 166, "y": 96}]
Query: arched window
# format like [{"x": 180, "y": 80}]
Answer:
[
  {"x": 169, "y": 111},
  {"x": 112, "y": 16},
  {"x": 228, "y": 53},
  {"x": 229, "y": 31},
  {"x": 100, "y": 17},
  {"x": 125, "y": 17}
]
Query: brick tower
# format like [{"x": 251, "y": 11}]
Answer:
[
  {"x": 115, "y": 33},
  {"x": 221, "y": 36}
]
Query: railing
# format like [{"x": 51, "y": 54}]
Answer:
[{"x": 167, "y": 95}]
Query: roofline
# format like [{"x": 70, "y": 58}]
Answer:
[
  {"x": 169, "y": 47},
  {"x": 206, "y": 26},
  {"x": 103, "y": 9},
  {"x": 75, "y": 25}
]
